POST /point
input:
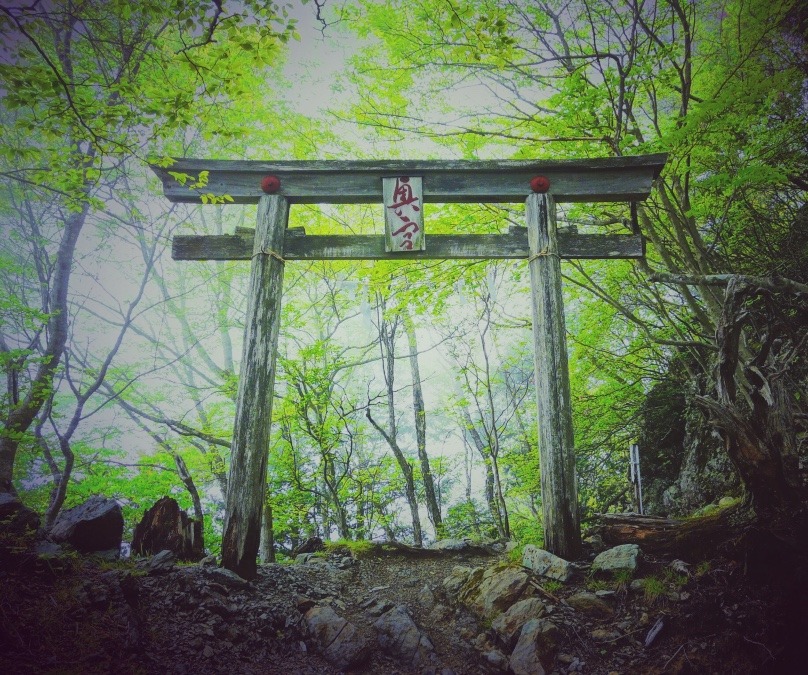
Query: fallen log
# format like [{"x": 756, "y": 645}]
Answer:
[{"x": 687, "y": 538}]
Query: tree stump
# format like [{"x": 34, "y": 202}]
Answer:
[{"x": 167, "y": 527}]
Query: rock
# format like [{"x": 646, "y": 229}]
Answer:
[
  {"x": 226, "y": 577},
  {"x": 536, "y": 646},
  {"x": 623, "y": 557},
  {"x": 303, "y": 557},
  {"x": 459, "y": 576},
  {"x": 208, "y": 561},
  {"x": 95, "y": 525},
  {"x": 339, "y": 641},
  {"x": 546, "y": 564},
  {"x": 449, "y": 545},
  {"x": 494, "y": 591},
  {"x": 590, "y": 604},
  {"x": 596, "y": 542},
  {"x": 167, "y": 527},
  {"x": 311, "y": 545},
  {"x": 15, "y": 517},
  {"x": 603, "y": 634},
  {"x": 426, "y": 598},
  {"x": 48, "y": 549},
  {"x": 637, "y": 585},
  {"x": 377, "y": 607},
  {"x": 497, "y": 660},
  {"x": 161, "y": 563},
  {"x": 400, "y": 637},
  {"x": 509, "y": 624}
]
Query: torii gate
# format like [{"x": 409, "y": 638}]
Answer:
[{"x": 402, "y": 186}]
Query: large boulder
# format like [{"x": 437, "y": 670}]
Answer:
[
  {"x": 546, "y": 564},
  {"x": 95, "y": 525},
  {"x": 399, "y": 636},
  {"x": 494, "y": 591},
  {"x": 338, "y": 640},
  {"x": 536, "y": 646},
  {"x": 166, "y": 527},
  {"x": 14, "y": 516},
  {"x": 508, "y": 625}
]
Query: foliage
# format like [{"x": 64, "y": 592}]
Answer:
[{"x": 121, "y": 368}]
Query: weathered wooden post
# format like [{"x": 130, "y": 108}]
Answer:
[
  {"x": 562, "y": 527},
  {"x": 250, "y": 445}
]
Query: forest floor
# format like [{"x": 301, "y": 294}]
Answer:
[{"x": 82, "y": 615}]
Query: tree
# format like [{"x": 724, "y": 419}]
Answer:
[
  {"x": 387, "y": 327},
  {"x": 83, "y": 80},
  {"x": 718, "y": 88}
]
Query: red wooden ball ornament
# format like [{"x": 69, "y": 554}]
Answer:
[
  {"x": 270, "y": 184},
  {"x": 540, "y": 184}
]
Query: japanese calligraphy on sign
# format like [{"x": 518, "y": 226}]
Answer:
[{"x": 403, "y": 214}]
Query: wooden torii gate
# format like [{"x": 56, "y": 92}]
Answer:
[{"x": 277, "y": 185}]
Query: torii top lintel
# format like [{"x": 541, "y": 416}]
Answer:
[{"x": 359, "y": 181}]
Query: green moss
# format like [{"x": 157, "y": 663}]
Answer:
[
  {"x": 357, "y": 549},
  {"x": 621, "y": 579},
  {"x": 516, "y": 555},
  {"x": 654, "y": 588},
  {"x": 672, "y": 577},
  {"x": 702, "y": 568}
]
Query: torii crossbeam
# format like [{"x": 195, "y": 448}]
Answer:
[{"x": 276, "y": 185}]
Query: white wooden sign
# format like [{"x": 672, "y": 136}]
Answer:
[{"x": 403, "y": 214}]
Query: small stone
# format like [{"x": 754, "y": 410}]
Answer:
[
  {"x": 600, "y": 634},
  {"x": 590, "y": 604},
  {"x": 207, "y": 652}
]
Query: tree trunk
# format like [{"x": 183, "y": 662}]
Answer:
[
  {"x": 409, "y": 481},
  {"x": 505, "y": 529},
  {"x": 22, "y": 415},
  {"x": 387, "y": 347},
  {"x": 432, "y": 505},
  {"x": 760, "y": 441},
  {"x": 490, "y": 481},
  {"x": 267, "y": 553}
]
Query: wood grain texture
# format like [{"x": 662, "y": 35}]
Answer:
[
  {"x": 512, "y": 245},
  {"x": 250, "y": 445},
  {"x": 562, "y": 526},
  {"x": 357, "y": 182}
]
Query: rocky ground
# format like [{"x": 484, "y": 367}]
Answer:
[{"x": 467, "y": 609}]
